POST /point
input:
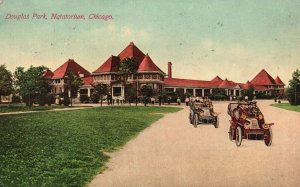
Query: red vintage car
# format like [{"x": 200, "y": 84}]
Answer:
[{"x": 247, "y": 122}]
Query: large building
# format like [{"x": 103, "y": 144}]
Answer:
[{"x": 149, "y": 73}]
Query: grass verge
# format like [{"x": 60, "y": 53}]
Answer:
[
  {"x": 18, "y": 108},
  {"x": 66, "y": 148},
  {"x": 287, "y": 106}
]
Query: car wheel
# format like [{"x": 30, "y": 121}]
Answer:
[
  {"x": 230, "y": 134},
  {"x": 238, "y": 136},
  {"x": 268, "y": 137},
  {"x": 217, "y": 122},
  {"x": 191, "y": 118},
  {"x": 195, "y": 122}
]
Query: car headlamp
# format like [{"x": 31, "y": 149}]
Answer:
[
  {"x": 247, "y": 125},
  {"x": 266, "y": 126}
]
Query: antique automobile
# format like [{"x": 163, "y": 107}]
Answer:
[
  {"x": 247, "y": 122},
  {"x": 203, "y": 113}
]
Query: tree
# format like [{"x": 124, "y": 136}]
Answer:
[
  {"x": 249, "y": 93},
  {"x": 31, "y": 84},
  {"x": 128, "y": 67},
  {"x": 73, "y": 82},
  {"x": 101, "y": 90},
  {"x": 131, "y": 93},
  {"x": 293, "y": 91},
  {"x": 5, "y": 81},
  {"x": 146, "y": 91},
  {"x": 218, "y": 94}
]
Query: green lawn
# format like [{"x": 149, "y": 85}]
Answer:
[
  {"x": 66, "y": 148},
  {"x": 20, "y": 108},
  {"x": 287, "y": 106}
]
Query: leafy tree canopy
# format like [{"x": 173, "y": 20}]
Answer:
[
  {"x": 101, "y": 90},
  {"x": 293, "y": 91},
  {"x": 74, "y": 82},
  {"x": 6, "y": 81},
  {"x": 30, "y": 83},
  {"x": 128, "y": 66}
]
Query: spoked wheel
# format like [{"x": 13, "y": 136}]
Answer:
[
  {"x": 238, "y": 136},
  {"x": 195, "y": 122},
  {"x": 216, "y": 124},
  {"x": 191, "y": 118},
  {"x": 230, "y": 134},
  {"x": 268, "y": 137}
]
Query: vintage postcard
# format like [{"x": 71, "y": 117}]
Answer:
[{"x": 149, "y": 93}]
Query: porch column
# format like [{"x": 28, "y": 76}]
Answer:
[
  {"x": 123, "y": 91},
  {"x": 210, "y": 91},
  {"x": 174, "y": 89},
  {"x": 234, "y": 92},
  {"x": 184, "y": 90},
  {"x": 202, "y": 92},
  {"x": 194, "y": 92},
  {"x": 89, "y": 92},
  {"x": 78, "y": 94}
]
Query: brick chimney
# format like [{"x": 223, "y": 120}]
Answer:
[{"x": 169, "y": 69}]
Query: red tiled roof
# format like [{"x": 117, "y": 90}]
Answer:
[
  {"x": 262, "y": 78},
  {"x": 279, "y": 81},
  {"x": 228, "y": 84},
  {"x": 247, "y": 85},
  {"x": 260, "y": 87},
  {"x": 217, "y": 78},
  {"x": 48, "y": 74},
  {"x": 132, "y": 51},
  {"x": 89, "y": 80},
  {"x": 70, "y": 66},
  {"x": 187, "y": 82},
  {"x": 110, "y": 65},
  {"x": 148, "y": 65}
]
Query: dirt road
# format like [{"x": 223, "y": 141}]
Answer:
[{"x": 173, "y": 153}]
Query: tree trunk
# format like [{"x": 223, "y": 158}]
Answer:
[{"x": 101, "y": 100}]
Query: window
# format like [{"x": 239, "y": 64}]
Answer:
[
  {"x": 140, "y": 76},
  {"x": 154, "y": 76},
  {"x": 116, "y": 91},
  {"x": 83, "y": 91},
  {"x": 147, "y": 76}
]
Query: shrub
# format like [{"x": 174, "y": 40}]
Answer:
[
  {"x": 16, "y": 99},
  {"x": 95, "y": 98},
  {"x": 263, "y": 96},
  {"x": 84, "y": 99}
]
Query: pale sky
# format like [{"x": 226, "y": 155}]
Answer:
[{"x": 202, "y": 38}]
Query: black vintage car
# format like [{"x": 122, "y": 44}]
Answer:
[
  {"x": 203, "y": 113},
  {"x": 247, "y": 122}
]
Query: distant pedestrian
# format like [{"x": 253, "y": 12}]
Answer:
[
  {"x": 159, "y": 100},
  {"x": 187, "y": 100},
  {"x": 178, "y": 100},
  {"x": 169, "y": 99},
  {"x": 152, "y": 100}
]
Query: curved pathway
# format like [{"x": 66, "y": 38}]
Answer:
[{"x": 172, "y": 152}]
